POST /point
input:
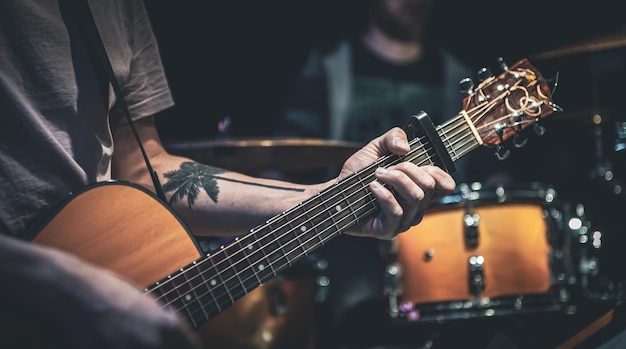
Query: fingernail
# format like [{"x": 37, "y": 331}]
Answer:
[
  {"x": 401, "y": 143},
  {"x": 376, "y": 185},
  {"x": 381, "y": 170}
]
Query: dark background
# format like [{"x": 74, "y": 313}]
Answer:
[{"x": 237, "y": 58}]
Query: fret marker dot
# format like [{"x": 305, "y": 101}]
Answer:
[
  {"x": 250, "y": 246},
  {"x": 261, "y": 267},
  {"x": 188, "y": 297},
  {"x": 213, "y": 282},
  {"x": 303, "y": 228},
  {"x": 338, "y": 208}
]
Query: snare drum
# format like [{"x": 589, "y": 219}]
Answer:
[{"x": 483, "y": 251}]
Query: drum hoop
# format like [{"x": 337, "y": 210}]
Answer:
[{"x": 531, "y": 192}]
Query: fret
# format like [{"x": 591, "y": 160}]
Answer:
[
  {"x": 446, "y": 140},
  {"x": 461, "y": 142},
  {"x": 302, "y": 243},
  {"x": 166, "y": 293},
  {"x": 422, "y": 158},
  {"x": 217, "y": 277},
  {"x": 183, "y": 295},
  {"x": 282, "y": 239},
  {"x": 310, "y": 223},
  {"x": 195, "y": 288},
  {"x": 307, "y": 231},
  {"x": 238, "y": 271},
  {"x": 252, "y": 256},
  {"x": 331, "y": 227},
  {"x": 267, "y": 245},
  {"x": 342, "y": 207},
  {"x": 333, "y": 211},
  {"x": 207, "y": 273},
  {"x": 357, "y": 195},
  {"x": 282, "y": 261},
  {"x": 304, "y": 225}
]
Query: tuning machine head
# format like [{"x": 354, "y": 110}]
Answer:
[
  {"x": 519, "y": 140},
  {"x": 501, "y": 152},
  {"x": 503, "y": 64},
  {"x": 484, "y": 74},
  {"x": 539, "y": 130},
  {"x": 467, "y": 86}
]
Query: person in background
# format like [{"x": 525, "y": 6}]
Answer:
[
  {"x": 388, "y": 70},
  {"x": 376, "y": 77},
  {"x": 64, "y": 130}
]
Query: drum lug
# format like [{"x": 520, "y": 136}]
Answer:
[
  {"x": 471, "y": 229},
  {"x": 470, "y": 220},
  {"x": 392, "y": 288},
  {"x": 476, "y": 275}
]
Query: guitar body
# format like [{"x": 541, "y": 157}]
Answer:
[
  {"x": 123, "y": 228},
  {"x": 115, "y": 225}
]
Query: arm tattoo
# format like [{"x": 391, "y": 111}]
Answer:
[{"x": 192, "y": 176}]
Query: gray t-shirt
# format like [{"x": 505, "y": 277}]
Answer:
[{"x": 55, "y": 111}]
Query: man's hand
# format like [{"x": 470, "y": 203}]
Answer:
[{"x": 414, "y": 188}]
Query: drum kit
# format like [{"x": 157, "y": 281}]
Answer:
[{"x": 486, "y": 250}]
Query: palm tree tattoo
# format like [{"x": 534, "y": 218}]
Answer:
[{"x": 191, "y": 177}]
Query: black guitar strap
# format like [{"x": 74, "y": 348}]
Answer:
[{"x": 81, "y": 13}]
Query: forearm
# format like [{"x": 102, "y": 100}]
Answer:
[
  {"x": 226, "y": 203},
  {"x": 217, "y": 202},
  {"x": 211, "y": 201}
]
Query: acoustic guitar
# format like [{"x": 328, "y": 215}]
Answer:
[{"x": 130, "y": 231}]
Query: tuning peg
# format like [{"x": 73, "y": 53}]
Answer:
[
  {"x": 467, "y": 86},
  {"x": 484, "y": 74},
  {"x": 502, "y": 64},
  {"x": 539, "y": 130},
  {"x": 519, "y": 140},
  {"x": 502, "y": 153}
]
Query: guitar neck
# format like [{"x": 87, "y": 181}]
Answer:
[
  {"x": 213, "y": 283},
  {"x": 498, "y": 108}
]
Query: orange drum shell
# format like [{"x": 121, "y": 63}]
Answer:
[
  {"x": 249, "y": 323},
  {"x": 513, "y": 239}
]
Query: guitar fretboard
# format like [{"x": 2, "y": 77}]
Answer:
[{"x": 210, "y": 285}]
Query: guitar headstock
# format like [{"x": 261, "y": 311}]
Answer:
[{"x": 502, "y": 106}]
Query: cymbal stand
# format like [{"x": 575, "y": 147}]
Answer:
[{"x": 603, "y": 168}]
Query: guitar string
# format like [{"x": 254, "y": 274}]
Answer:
[
  {"x": 243, "y": 282},
  {"x": 449, "y": 122},
  {"x": 275, "y": 261},
  {"x": 260, "y": 250},
  {"x": 270, "y": 253},
  {"x": 415, "y": 141}
]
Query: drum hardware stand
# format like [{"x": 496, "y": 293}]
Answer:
[
  {"x": 476, "y": 275},
  {"x": 392, "y": 289},
  {"x": 470, "y": 220},
  {"x": 603, "y": 168}
]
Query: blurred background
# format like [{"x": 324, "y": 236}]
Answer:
[
  {"x": 237, "y": 59},
  {"x": 231, "y": 65}
]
